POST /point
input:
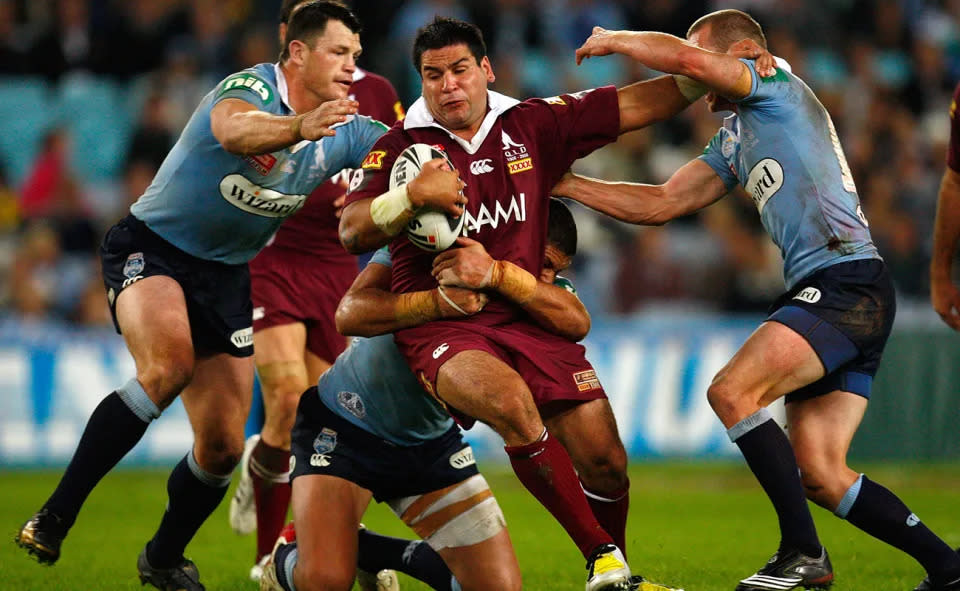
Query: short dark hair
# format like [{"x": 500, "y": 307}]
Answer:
[
  {"x": 729, "y": 26},
  {"x": 561, "y": 227},
  {"x": 306, "y": 22},
  {"x": 445, "y": 31}
]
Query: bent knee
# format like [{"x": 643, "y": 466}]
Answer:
[
  {"x": 218, "y": 453},
  {"x": 605, "y": 473},
  {"x": 164, "y": 379}
]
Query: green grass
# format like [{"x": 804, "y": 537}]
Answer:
[{"x": 703, "y": 526}]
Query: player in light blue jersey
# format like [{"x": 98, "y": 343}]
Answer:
[
  {"x": 362, "y": 433},
  {"x": 177, "y": 280},
  {"x": 822, "y": 342}
]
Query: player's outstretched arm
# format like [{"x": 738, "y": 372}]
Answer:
[
  {"x": 946, "y": 237},
  {"x": 552, "y": 307},
  {"x": 367, "y": 224},
  {"x": 694, "y": 186},
  {"x": 243, "y": 129},
  {"x": 695, "y": 72},
  {"x": 369, "y": 308}
]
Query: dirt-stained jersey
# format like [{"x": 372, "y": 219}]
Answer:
[
  {"x": 782, "y": 148},
  {"x": 223, "y": 207},
  {"x": 519, "y": 153},
  {"x": 314, "y": 229}
]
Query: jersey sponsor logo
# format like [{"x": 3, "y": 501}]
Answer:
[
  {"x": 728, "y": 146},
  {"x": 352, "y": 403},
  {"x": 242, "y": 338},
  {"x": 912, "y": 520},
  {"x": 764, "y": 181},
  {"x": 427, "y": 385},
  {"x": 516, "y": 210},
  {"x": 238, "y": 191},
  {"x": 356, "y": 180},
  {"x": 134, "y": 265},
  {"x": 440, "y": 350},
  {"x": 516, "y": 154},
  {"x": 463, "y": 458},
  {"x": 262, "y": 163},
  {"x": 520, "y": 166},
  {"x": 586, "y": 380},
  {"x": 554, "y": 100},
  {"x": 130, "y": 281},
  {"x": 811, "y": 295},
  {"x": 374, "y": 159},
  {"x": 259, "y": 313},
  {"x": 478, "y": 167},
  {"x": 251, "y": 83},
  {"x": 324, "y": 443},
  {"x": 398, "y": 111}
]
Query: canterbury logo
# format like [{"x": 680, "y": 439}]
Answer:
[
  {"x": 478, "y": 167},
  {"x": 440, "y": 350}
]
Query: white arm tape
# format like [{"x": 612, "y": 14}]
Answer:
[
  {"x": 689, "y": 88},
  {"x": 392, "y": 210},
  {"x": 453, "y": 304}
]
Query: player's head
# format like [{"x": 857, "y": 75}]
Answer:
[
  {"x": 561, "y": 241},
  {"x": 452, "y": 60},
  {"x": 323, "y": 41},
  {"x": 719, "y": 30}
]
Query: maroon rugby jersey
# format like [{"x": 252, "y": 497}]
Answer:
[
  {"x": 953, "y": 151},
  {"x": 314, "y": 229},
  {"x": 520, "y": 152}
]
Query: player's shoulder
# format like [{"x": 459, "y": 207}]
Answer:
[
  {"x": 257, "y": 83},
  {"x": 567, "y": 99}
]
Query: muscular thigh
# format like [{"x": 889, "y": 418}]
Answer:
[
  {"x": 773, "y": 361},
  {"x": 327, "y": 512}
]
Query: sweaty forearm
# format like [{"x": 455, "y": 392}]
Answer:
[
  {"x": 359, "y": 232},
  {"x": 634, "y": 203},
  {"x": 257, "y": 132},
  {"x": 559, "y": 312},
  {"x": 371, "y": 312}
]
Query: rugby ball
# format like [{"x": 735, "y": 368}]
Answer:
[{"x": 430, "y": 229}]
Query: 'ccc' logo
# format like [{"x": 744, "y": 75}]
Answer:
[{"x": 478, "y": 167}]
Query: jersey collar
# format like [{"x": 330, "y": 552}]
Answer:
[
  {"x": 419, "y": 116},
  {"x": 282, "y": 86}
]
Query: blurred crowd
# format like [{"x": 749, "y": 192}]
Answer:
[{"x": 94, "y": 92}]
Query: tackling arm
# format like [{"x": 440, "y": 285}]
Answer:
[
  {"x": 552, "y": 307},
  {"x": 369, "y": 308},
  {"x": 946, "y": 237},
  {"x": 694, "y": 186},
  {"x": 243, "y": 129}
]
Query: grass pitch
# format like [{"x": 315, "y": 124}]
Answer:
[{"x": 702, "y": 526}]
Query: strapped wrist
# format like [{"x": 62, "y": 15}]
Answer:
[
  {"x": 295, "y": 126},
  {"x": 513, "y": 282},
  {"x": 392, "y": 210},
  {"x": 417, "y": 307}
]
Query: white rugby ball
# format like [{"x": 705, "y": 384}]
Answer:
[{"x": 430, "y": 229}]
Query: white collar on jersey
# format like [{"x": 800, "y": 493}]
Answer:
[
  {"x": 419, "y": 116},
  {"x": 358, "y": 74},
  {"x": 282, "y": 86}
]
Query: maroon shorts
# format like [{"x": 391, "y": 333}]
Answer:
[
  {"x": 289, "y": 287},
  {"x": 554, "y": 368}
]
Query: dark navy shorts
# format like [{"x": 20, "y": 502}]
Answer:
[
  {"x": 217, "y": 294},
  {"x": 845, "y": 312},
  {"x": 324, "y": 443}
]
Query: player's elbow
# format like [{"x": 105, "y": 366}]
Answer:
[
  {"x": 349, "y": 234},
  {"x": 579, "y": 328},
  {"x": 691, "y": 62},
  {"x": 346, "y": 319}
]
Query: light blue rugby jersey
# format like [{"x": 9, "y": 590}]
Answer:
[
  {"x": 223, "y": 207},
  {"x": 371, "y": 385},
  {"x": 781, "y": 146}
]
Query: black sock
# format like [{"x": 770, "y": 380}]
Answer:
[
  {"x": 279, "y": 563},
  {"x": 191, "y": 501},
  {"x": 112, "y": 431},
  {"x": 767, "y": 451},
  {"x": 413, "y": 557},
  {"x": 881, "y": 514}
]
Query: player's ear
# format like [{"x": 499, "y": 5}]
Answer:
[
  {"x": 298, "y": 51},
  {"x": 487, "y": 69}
]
